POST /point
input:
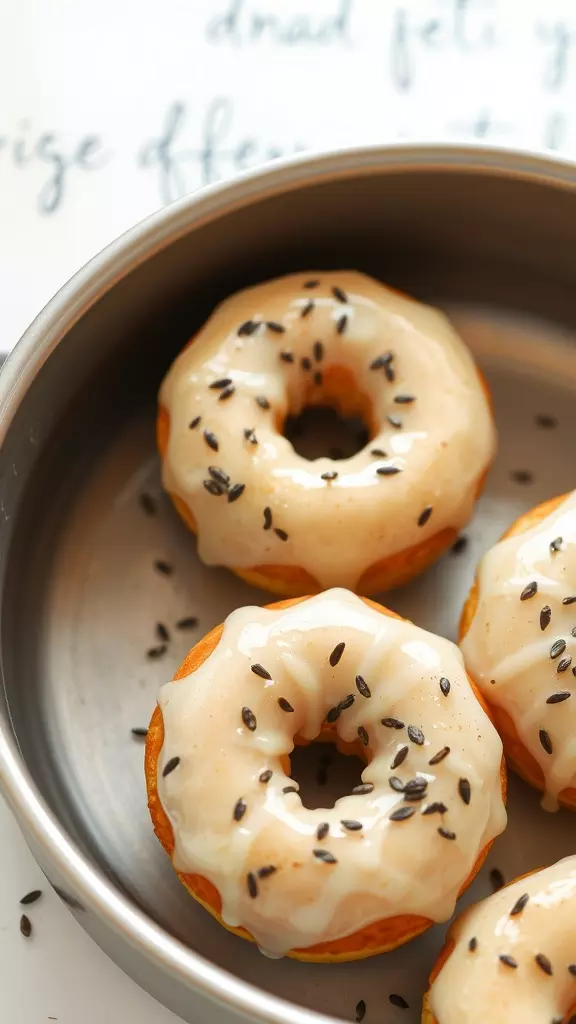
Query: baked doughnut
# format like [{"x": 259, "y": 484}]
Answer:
[
  {"x": 383, "y": 863},
  {"x": 511, "y": 959},
  {"x": 294, "y": 526},
  {"x": 518, "y": 637}
]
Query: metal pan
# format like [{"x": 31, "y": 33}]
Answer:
[{"x": 489, "y": 235}]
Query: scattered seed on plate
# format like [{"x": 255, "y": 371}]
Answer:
[
  {"x": 211, "y": 440},
  {"x": 399, "y": 1001},
  {"x": 545, "y": 421},
  {"x": 439, "y": 756},
  {"x": 529, "y": 590},
  {"x": 249, "y": 719},
  {"x": 415, "y": 735},
  {"x": 156, "y": 652},
  {"x": 280, "y": 533},
  {"x": 558, "y": 698},
  {"x": 459, "y": 544},
  {"x": 239, "y": 809},
  {"x": 497, "y": 880},
  {"x": 325, "y": 855},
  {"x": 147, "y": 504},
  {"x": 362, "y": 687},
  {"x": 140, "y": 731},
  {"x": 252, "y": 885},
  {"x": 445, "y": 686},
  {"x": 519, "y": 905},
  {"x": 522, "y": 476},
  {"x": 402, "y": 813},
  {"x": 337, "y": 654},
  {"x": 508, "y": 961},
  {"x": 31, "y": 897},
  {"x": 190, "y": 622},
  {"x": 164, "y": 568},
  {"x": 360, "y": 1010},
  {"x": 557, "y": 648},
  {"x": 170, "y": 766},
  {"x": 545, "y": 741},
  {"x": 25, "y": 926},
  {"x": 424, "y": 516},
  {"x": 446, "y": 833},
  {"x": 392, "y": 723},
  {"x": 464, "y": 790},
  {"x": 363, "y": 735},
  {"x": 162, "y": 633},
  {"x": 235, "y": 492},
  {"x": 400, "y": 757},
  {"x": 545, "y": 616},
  {"x": 284, "y": 705}
]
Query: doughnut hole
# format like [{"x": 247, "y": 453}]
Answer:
[
  {"x": 326, "y": 769},
  {"x": 333, "y": 418}
]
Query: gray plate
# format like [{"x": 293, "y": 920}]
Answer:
[{"x": 82, "y": 599}]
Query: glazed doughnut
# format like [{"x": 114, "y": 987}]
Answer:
[
  {"x": 511, "y": 959},
  {"x": 518, "y": 637},
  {"x": 295, "y": 526},
  {"x": 384, "y": 862}
]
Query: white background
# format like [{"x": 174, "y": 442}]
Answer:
[{"x": 110, "y": 109}]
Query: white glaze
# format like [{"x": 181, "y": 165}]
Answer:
[
  {"x": 507, "y": 652},
  {"x": 446, "y": 441},
  {"x": 476, "y": 988},
  {"x": 389, "y": 867}
]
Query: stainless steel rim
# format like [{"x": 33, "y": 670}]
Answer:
[{"x": 52, "y": 324}]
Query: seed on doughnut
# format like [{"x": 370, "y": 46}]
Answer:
[
  {"x": 439, "y": 756},
  {"x": 337, "y": 654},
  {"x": 497, "y": 879},
  {"x": 259, "y": 670},
  {"x": 213, "y": 488},
  {"x": 325, "y": 855},
  {"x": 572, "y": 969},
  {"x": 569, "y": 600},
  {"x": 306, "y": 363},
  {"x": 287, "y": 357},
  {"x": 265, "y": 776},
  {"x": 311, "y": 284},
  {"x": 341, "y": 324},
  {"x": 170, "y": 766},
  {"x": 459, "y": 544},
  {"x": 446, "y": 833},
  {"x": 389, "y": 373},
  {"x": 164, "y": 568},
  {"x": 404, "y": 399},
  {"x": 211, "y": 440},
  {"x": 363, "y": 789},
  {"x": 147, "y": 504},
  {"x": 247, "y": 328},
  {"x": 267, "y": 517},
  {"x": 564, "y": 664},
  {"x": 464, "y": 790},
  {"x": 217, "y": 385},
  {"x": 275, "y": 327},
  {"x": 445, "y": 685},
  {"x": 139, "y": 730},
  {"x": 307, "y": 309},
  {"x": 252, "y": 884},
  {"x": 379, "y": 453},
  {"x": 392, "y": 723},
  {"x": 363, "y": 735},
  {"x": 266, "y": 871},
  {"x": 239, "y": 809},
  {"x": 395, "y": 421},
  {"x": 280, "y": 533},
  {"x": 156, "y": 652},
  {"x": 190, "y": 622},
  {"x": 520, "y": 904},
  {"x": 262, "y": 401},
  {"x": 543, "y": 963},
  {"x": 318, "y": 351},
  {"x": 435, "y": 808},
  {"x": 400, "y": 757},
  {"x": 558, "y": 648},
  {"x": 249, "y": 719},
  {"x": 235, "y": 492},
  {"x": 250, "y": 435},
  {"x": 381, "y": 361},
  {"x": 556, "y": 545},
  {"x": 227, "y": 393},
  {"x": 284, "y": 704},
  {"x": 388, "y": 470},
  {"x": 318, "y": 378},
  {"x": 162, "y": 633},
  {"x": 545, "y": 616},
  {"x": 194, "y": 423},
  {"x": 322, "y": 830},
  {"x": 545, "y": 740},
  {"x": 360, "y": 1011},
  {"x": 351, "y": 825},
  {"x": 290, "y": 789},
  {"x": 330, "y": 475},
  {"x": 416, "y": 785},
  {"x": 424, "y": 515},
  {"x": 508, "y": 961},
  {"x": 398, "y": 1001},
  {"x": 415, "y": 735},
  {"x": 473, "y": 944},
  {"x": 362, "y": 687},
  {"x": 339, "y": 294},
  {"x": 219, "y": 475},
  {"x": 402, "y": 813},
  {"x": 529, "y": 591},
  {"x": 557, "y": 698},
  {"x": 396, "y": 784}
]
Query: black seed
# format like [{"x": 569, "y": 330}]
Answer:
[
  {"x": 556, "y": 545},
  {"x": 211, "y": 440},
  {"x": 287, "y": 357},
  {"x": 156, "y": 652},
  {"x": 392, "y": 723},
  {"x": 572, "y": 969},
  {"x": 446, "y": 833},
  {"x": 473, "y": 944},
  {"x": 459, "y": 544},
  {"x": 400, "y": 757},
  {"x": 139, "y": 730},
  {"x": 31, "y": 897},
  {"x": 337, "y": 654},
  {"x": 395, "y": 421},
  {"x": 266, "y": 871},
  {"x": 363, "y": 789},
  {"x": 239, "y": 809},
  {"x": 306, "y": 363},
  {"x": 351, "y": 825},
  {"x": 267, "y": 518},
  {"x": 402, "y": 813},
  {"x": 188, "y": 623},
  {"x": 543, "y": 963},
  {"x": 247, "y": 328},
  {"x": 415, "y": 735},
  {"x": 280, "y": 533},
  {"x": 307, "y": 309},
  {"x": 545, "y": 740},
  {"x": 439, "y": 756},
  {"x": 339, "y": 294},
  {"x": 519, "y": 905},
  {"x": 250, "y": 435},
  {"x": 262, "y": 402},
  {"x": 388, "y": 470},
  {"x": 265, "y": 776},
  {"x": 558, "y": 648},
  {"x": 379, "y": 453},
  {"x": 436, "y": 808},
  {"x": 360, "y": 1010},
  {"x": 464, "y": 790},
  {"x": 275, "y": 327},
  {"x": 235, "y": 492},
  {"x": 564, "y": 664},
  {"x": 545, "y": 616},
  {"x": 170, "y": 766},
  {"x": 318, "y": 351},
  {"x": 213, "y": 488},
  {"x": 545, "y": 421},
  {"x": 194, "y": 423},
  {"x": 389, "y": 373},
  {"x": 569, "y": 600},
  {"x": 259, "y": 670},
  {"x": 346, "y": 702},
  {"x": 424, "y": 515},
  {"x": 341, "y": 324},
  {"x": 249, "y": 719},
  {"x": 397, "y": 1000},
  {"x": 25, "y": 926},
  {"x": 162, "y": 633},
  {"x": 330, "y": 475},
  {"x": 333, "y": 714},
  {"x": 147, "y": 504},
  {"x": 508, "y": 961},
  {"x": 311, "y": 284},
  {"x": 522, "y": 476},
  {"x": 363, "y": 735},
  {"x": 417, "y": 785},
  {"x": 226, "y": 393},
  {"x": 529, "y": 591},
  {"x": 557, "y": 698},
  {"x": 164, "y": 568},
  {"x": 445, "y": 686},
  {"x": 325, "y": 855},
  {"x": 381, "y": 361},
  {"x": 318, "y": 379},
  {"x": 290, "y": 789},
  {"x": 497, "y": 879},
  {"x": 252, "y": 884},
  {"x": 217, "y": 385},
  {"x": 404, "y": 399},
  {"x": 396, "y": 784},
  {"x": 219, "y": 476},
  {"x": 284, "y": 704},
  {"x": 362, "y": 687},
  {"x": 322, "y": 831}
]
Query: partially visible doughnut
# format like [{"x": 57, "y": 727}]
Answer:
[
  {"x": 375, "y": 684},
  {"x": 294, "y": 526},
  {"x": 518, "y": 637}
]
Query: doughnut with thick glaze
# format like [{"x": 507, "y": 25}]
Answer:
[
  {"x": 518, "y": 637},
  {"x": 385, "y": 862},
  {"x": 294, "y": 526}
]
